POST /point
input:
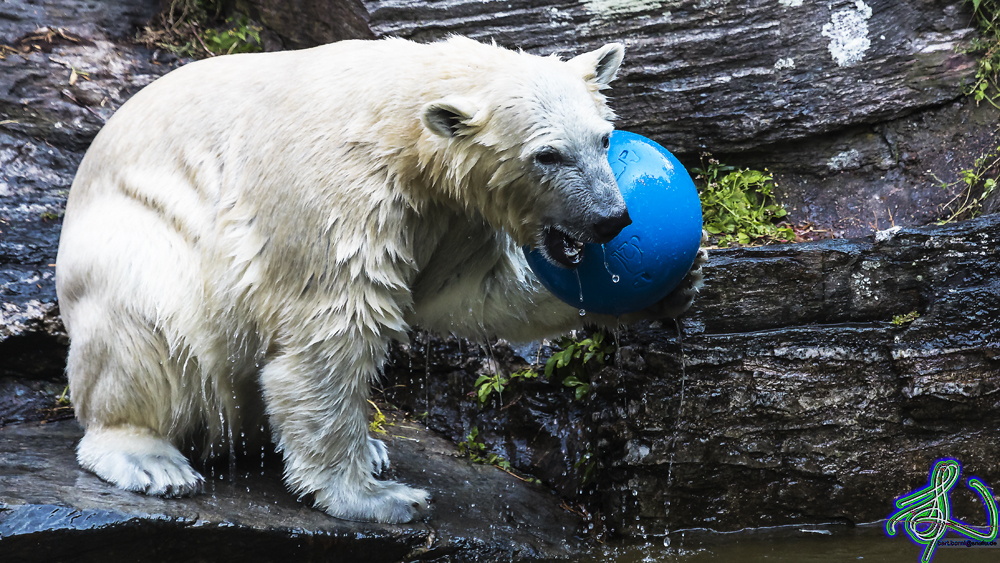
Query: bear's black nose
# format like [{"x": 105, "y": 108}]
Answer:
[{"x": 609, "y": 227}]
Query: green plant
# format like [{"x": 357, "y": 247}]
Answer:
[
  {"x": 981, "y": 179},
  {"x": 486, "y": 384},
  {"x": 571, "y": 363},
  {"x": 472, "y": 447},
  {"x": 377, "y": 425},
  {"x": 900, "y": 320},
  {"x": 986, "y": 15},
  {"x": 580, "y": 388},
  {"x": 191, "y": 28},
  {"x": 585, "y": 465},
  {"x": 240, "y": 36},
  {"x": 476, "y": 451},
  {"x": 738, "y": 206},
  {"x": 63, "y": 399}
]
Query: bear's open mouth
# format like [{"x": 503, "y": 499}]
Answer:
[{"x": 562, "y": 248}]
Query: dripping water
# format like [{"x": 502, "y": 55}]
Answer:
[
  {"x": 232, "y": 454},
  {"x": 579, "y": 283},
  {"x": 427, "y": 371},
  {"x": 211, "y": 464},
  {"x": 410, "y": 352},
  {"x": 232, "y": 418},
  {"x": 263, "y": 448},
  {"x": 618, "y": 357},
  {"x": 680, "y": 413},
  {"x": 680, "y": 342},
  {"x": 607, "y": 267},
  {"x": 226, "y": 431},
  {"x": 243, "y": 447}
]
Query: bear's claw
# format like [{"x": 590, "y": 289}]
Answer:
[
  {"x": 380, "y": 455},
  {"x": 681, "y": 299},
  {"x": 136, "y": 460},
  {"x": 387, "y": 502}
]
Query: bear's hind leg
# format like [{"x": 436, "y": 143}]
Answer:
[
  {"x": 135, "y": 459},
  {"x": 317, "y": 399}
]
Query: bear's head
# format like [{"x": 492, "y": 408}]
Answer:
[{"x": 528, "y": 149}]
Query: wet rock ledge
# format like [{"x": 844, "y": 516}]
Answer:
[{"x": 51, "y": 510}]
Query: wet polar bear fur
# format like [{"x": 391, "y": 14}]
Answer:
[{"x": 246, "y": 236}]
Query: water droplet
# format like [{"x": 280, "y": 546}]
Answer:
[
  {"x": 579, "y": 283},
  {"x": 582, "y": 312},
  {"x": 615, "y": 278}
]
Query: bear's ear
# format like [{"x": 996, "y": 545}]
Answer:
[
  {"x": 449, "y": 117},
  {"x": 600, "y": 66}
]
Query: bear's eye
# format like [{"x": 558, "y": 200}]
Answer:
[
  {"x": 548, "y": 157},
  {"x": 606, "y": 141}
]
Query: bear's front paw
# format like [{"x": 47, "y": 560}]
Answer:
[
  {"x": 678, "y": 301},
  {"x": 387, "y": 502},
  {"x": 137, "y": 460}
]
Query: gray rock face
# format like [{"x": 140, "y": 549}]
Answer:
[
  {"x": 841, "y": 99},
  {"x": 814, "y": 404},
  {"x": 48, "y": 117},
  {"x": 730, "y": 76},
  {"x": 51, "y": 510},
  {"x": 307, "y": 23}
]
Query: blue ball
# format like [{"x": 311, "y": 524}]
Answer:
[{"x": 650, "y": 257}]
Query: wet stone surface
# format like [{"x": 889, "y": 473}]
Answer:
[
  {"x": 51, "y": 510},
  {"x": 47, "y": 120}
]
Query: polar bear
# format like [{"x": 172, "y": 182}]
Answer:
[{"x": 247, "y": 234}]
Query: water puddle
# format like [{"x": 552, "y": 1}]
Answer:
[{"x": 832, "y": 544}]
